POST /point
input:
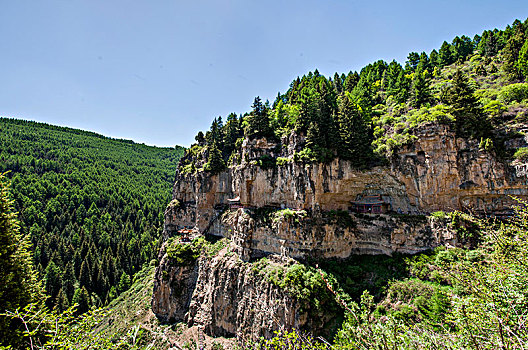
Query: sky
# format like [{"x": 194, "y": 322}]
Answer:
[{"x": 159, "y": 71}]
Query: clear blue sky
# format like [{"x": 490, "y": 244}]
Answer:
[{"x": 159, "y": 71}]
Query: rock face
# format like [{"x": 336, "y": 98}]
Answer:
[
  {"x": 173, "y": 289},
  {"x": 226, "y": 297},
  {"x": 302, "y": 211},
  {"x": 443, "y": 172},
  {"x": 437, "y": 172},
  {"x": 322, "y": 235}
]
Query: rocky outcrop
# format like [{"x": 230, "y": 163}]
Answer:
[
  {"x": 323, "y": 235},
  {"x": 443, "y": 172},
  {"x": 439, "y": 171},
  {"x": 305, "y": 211},
  {"x": 228, "y": 298},
  {"x": 173, "y": 289}
]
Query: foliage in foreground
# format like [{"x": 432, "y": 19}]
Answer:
[
  {"x": 45, "y": 329},
  {"x": 18, "y": 282},
  {"x": 463, "y": 299}
]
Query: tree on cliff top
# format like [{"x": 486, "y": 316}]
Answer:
[
  {"x": 215, "y": 161},
  {"x": 470, "y": 120},
  {"x": 353, "y": 131},
  {"x": 258, "y": 120}
]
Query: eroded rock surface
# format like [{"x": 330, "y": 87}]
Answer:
[
  {"x": 437, "y": 172},
  {"x": 228, "y": 298}
]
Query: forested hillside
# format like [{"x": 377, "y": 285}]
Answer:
[{"x": 91, "y": 205}]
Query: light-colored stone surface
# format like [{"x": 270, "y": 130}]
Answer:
[
  {"x": 437, "y": 172},
  {"x": 227, "y": 298}
]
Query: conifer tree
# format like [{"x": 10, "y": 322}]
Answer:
[
  {"x": 215, "y": 134},
  {"x": 420, "y": 91},
  {"x": 258, "y": 121},
  {"x": 62, "y": 302},
  {"x": 351, "y": 81},
  {"x": 353, "y": 131},
  {"x": 522, "y": 62},
  {"x": 470, "y": 121},
  {"x": 434, "y": 59},
  {"x": 401, "y": 88},
  {"x": 511, "y": 54},
  {"x": 488, "y": 45},
  {"x": 425, "y": 62},
  {"x": 462, "y": 47},
  {"x": 200, "y": 138},
  {"x": 412, "y": 60},
  {"x": 85, "y": 276},
  {"x": 81, "y": 297},
  {"x": 215, "y": 161},
  {"x": 18, "y": 282},
  {"x": 392, "y": 76},
  {"x": 446, "y": 55},
  {"x": 231, "y": 134},
  {"x": 52, "y": 280},
  {"x": 338, "y": 83}
]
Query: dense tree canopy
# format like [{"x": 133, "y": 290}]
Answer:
[
  {"x": 92, "y": 206},
  {"x": 392, "y": 99}
]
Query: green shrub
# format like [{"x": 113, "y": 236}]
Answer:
[
  {"x": 283, "y": 161},
  {"x": 514, "y": 92},
  {"x": 439, "y": 214},
  {"x": 305, "y": 156},
  {"x": 213, "y": 249},
  {"x": 495, "y": 108},
  {"x": 296, "y": 215},
  {"x": 521, "y": 154},
  {"x": 185, "y": 253}
]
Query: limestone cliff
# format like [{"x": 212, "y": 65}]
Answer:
[
  {"x": 229, "y": 297},
  {"x": 309, "y": 211},
  {"x": 439, "y": 171}
]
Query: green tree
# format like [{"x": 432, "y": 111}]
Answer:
[
  {"x": 18, "y": 278},
  {"x": 391, "y": 76},
  {"x": 216, "y": 133},
  {"x": 434, "y": 59},
  {"x": 85, "y": 274},
  {"x": 522, "y": 62},
  {"x": 258, "y": 121},
  {"x": 215, "y": 161},
  {"x": 462, "y": 47},
  {"x": 200, "y": 138},
  {"x": 62, "y": 302},
  {"x": 231, "y": 134},
  {"x": 124, "y": 283},
  {"x": 446, "y": 55},
  {"x": 52, "y": 281},
  {"x": 420, "y": 89},
  {"x": 412, "y": 60},
  {"x": 353, "y": 131},
  {"x": 401, "y": 88},
  {"x": 511, "y": 54},
  {"x": 81, "y": 297},
  {"x": 470, "y": 121},
  {"x": 351, "y": 81}
]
